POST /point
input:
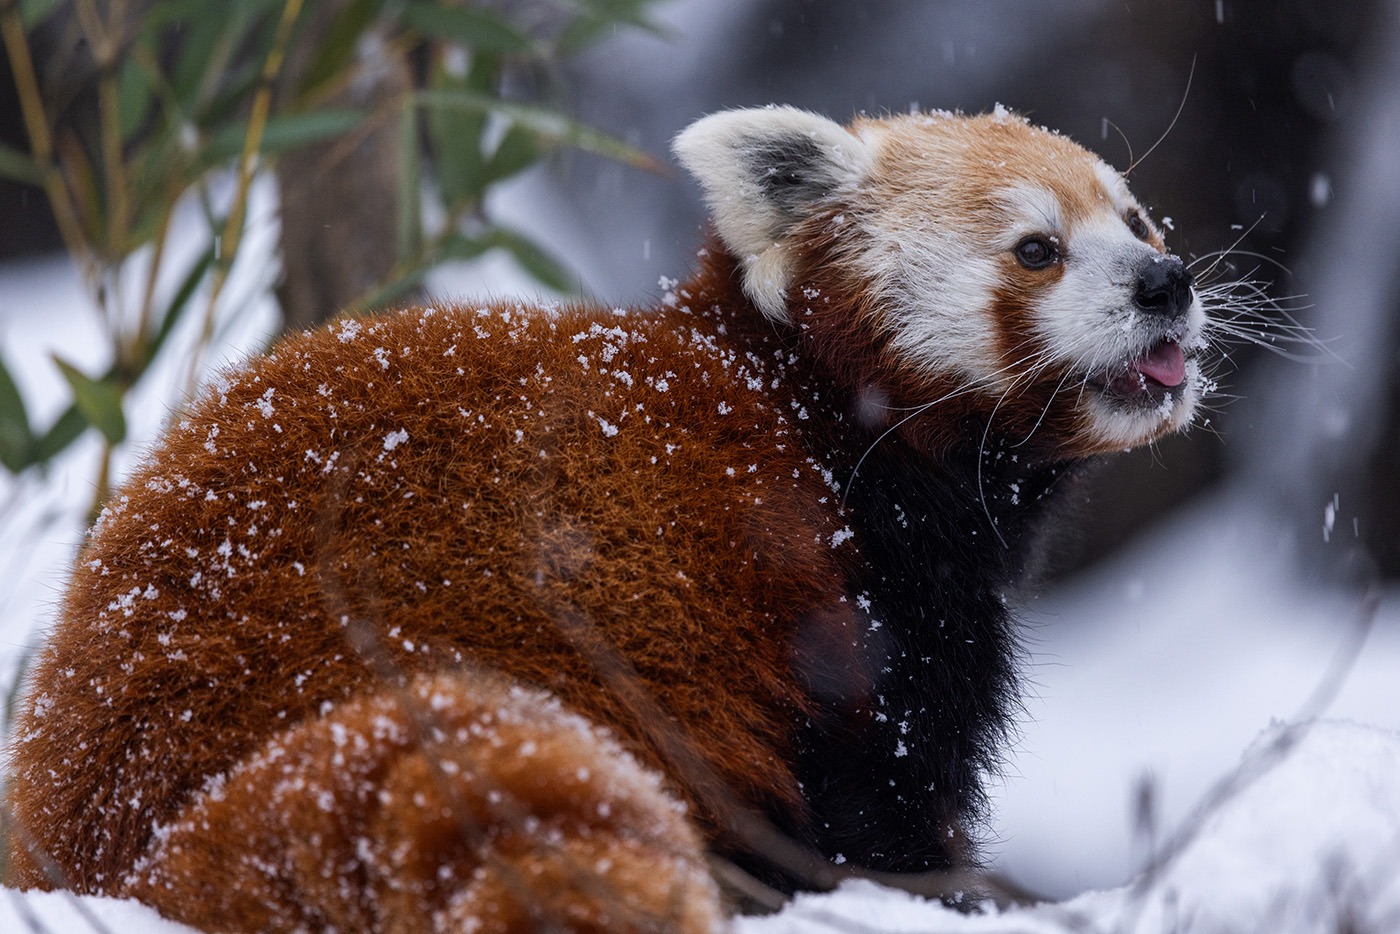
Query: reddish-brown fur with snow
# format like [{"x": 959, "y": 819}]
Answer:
[
  {"x": 444, "y": 776},
  {"x": 285, "y": 692},
  {"x": 225, "y": 576}
]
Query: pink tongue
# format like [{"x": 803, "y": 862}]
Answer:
[{"x": 1165, "y": 363}]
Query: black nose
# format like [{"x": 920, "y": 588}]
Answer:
[{"x": 1164, "y": 287}]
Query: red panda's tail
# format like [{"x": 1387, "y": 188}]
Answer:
[{"x": 457, "y": 802}]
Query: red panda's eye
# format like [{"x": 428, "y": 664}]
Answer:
[
  {"x": 1037, "y": 253},
  {"x": 1138, "y": 227}
]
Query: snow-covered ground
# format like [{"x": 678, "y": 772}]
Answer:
[
  {"x": 1161, "y": 667},
  {"x": 1305, "y": 839}
]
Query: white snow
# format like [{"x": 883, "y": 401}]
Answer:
[
  {"x": 1165, "y": 664},
  {"x": 1309, "y": 842},
  {"x": 1303, "y": 839},
  {"x": 61, "y": 913}
]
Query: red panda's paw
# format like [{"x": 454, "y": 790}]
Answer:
[{"x": 459, "y": 803}]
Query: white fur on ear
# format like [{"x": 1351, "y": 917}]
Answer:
[{"x": 762, "y": 170}]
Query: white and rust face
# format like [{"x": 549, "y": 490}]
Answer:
[{"x": 1009, "y": 268}]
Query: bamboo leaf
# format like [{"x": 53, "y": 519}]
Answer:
[
  {"x": 100, "y": 402},
  {"x": 16, "y": 437},
  {"x": 19, "y": 166},
  {"x": 455, "y": 134},
  {"x": 461, "y": 247},
  {"x": 178, "y": 303},
  {"x": 284, "y": 132},
  {"x": 339, "y": 45},
  {"x": 598, "y": 16},
  {"x": 206, "y": 43},
  {"x": 82, "y": 185},
  {"x": 32, "y": 11},
  {"x": 534, "y": 259},
  {"x": 472, "y": 27},
  {"x": 518, "y": 150},
  {"x": 62, "y": 433},
  {"x": 134, "y": 97},
  {"x": 220, "y": 48},
  {"x": 552, "y": 127}
]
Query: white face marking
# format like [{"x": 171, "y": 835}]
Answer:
[
  {"x": 930, "y": 285},
  {"x": 1116, "y": 187},
  {"x": 1116, "y": 428},
  {"x": 1088, "y": 318},
  {"x": 1031, "y": 209}
]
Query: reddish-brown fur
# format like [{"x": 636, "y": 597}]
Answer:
[
  {"x": 452, "y": 799},
  {"x": 548, "y": 490}
]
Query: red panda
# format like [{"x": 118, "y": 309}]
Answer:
[{"x": 501, "y": 617}]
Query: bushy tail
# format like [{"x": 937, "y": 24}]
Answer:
[{"x": 457, "y": 802}]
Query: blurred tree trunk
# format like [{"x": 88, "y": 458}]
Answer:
[
  {"x": 339, "y": 200},
  {"x": 1327, "y": 454}
]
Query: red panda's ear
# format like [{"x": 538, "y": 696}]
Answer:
[{"x": 764, "y": 170}]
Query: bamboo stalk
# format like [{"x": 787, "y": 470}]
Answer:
[
  {"x": 231, "y": 237},
  {"x": 41, "y": 140},
  {"x": 135, "y": 354},
  {"x": 106, "y": 45},
  {"x": 113, "y": 164}
]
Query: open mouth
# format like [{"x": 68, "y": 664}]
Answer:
[{"x": 1146, "y": 378}]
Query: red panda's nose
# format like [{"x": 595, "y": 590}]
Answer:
[{"x": 1164, "y": 287}]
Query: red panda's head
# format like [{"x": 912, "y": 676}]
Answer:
[{"x": 996, "y": 270}]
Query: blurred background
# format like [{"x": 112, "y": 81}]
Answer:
[{"x": 215, "y": 173}]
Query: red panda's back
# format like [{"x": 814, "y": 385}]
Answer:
[{"x": 494, "y": 485}]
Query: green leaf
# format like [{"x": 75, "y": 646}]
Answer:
[
  {"x": 284, "y": 132},
  {"x": 535, "y": 260},
  {"x": 19, "y": 166},
  {"x": 472, "y": 27},
  {"x": 221, "y": 46},
  {"x": 178, "y": 303},
  {"x": 206, "y": 45},
  {"x": 32, "y": 11},
  {"x": 337, "y": 48},
  {"x": 461, "y": 247},
  {"x": 532, "y": 258},
  {"x": 100, "y": 402},
  {"x": 134, "y": 96},
  {"x": 518, "y": 150},
  {"x": 595, "y": 17},
  {"x": 455, "y": 134},
  {"x": 16, "y": 437},
  {"x": 552, "y": 127},
  {"x": 62, "y": 433}
]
